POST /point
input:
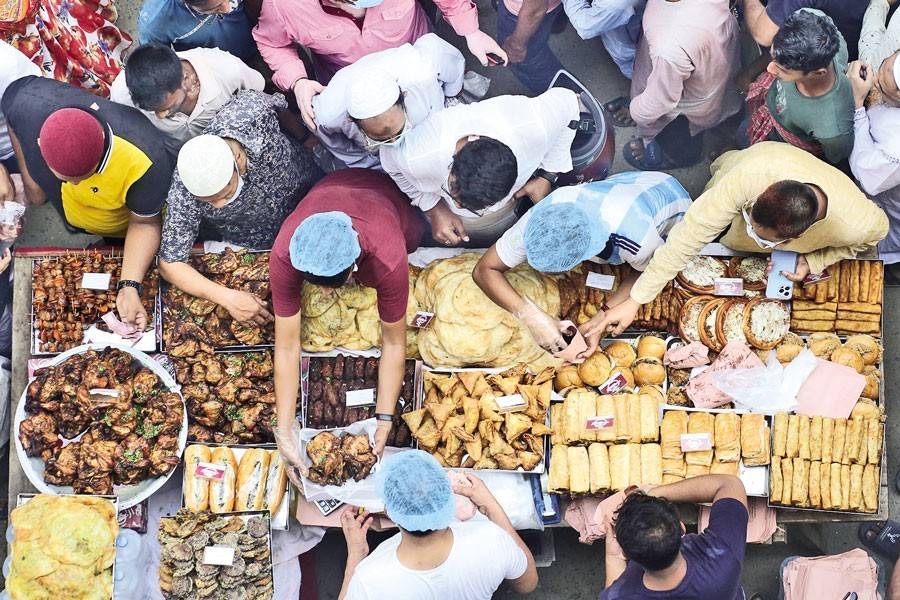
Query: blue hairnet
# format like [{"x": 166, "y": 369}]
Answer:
[
  {"x": 324, "y": 244},
  {"x": 416, "y": 491},
  {"x": 559, "y": 235}
]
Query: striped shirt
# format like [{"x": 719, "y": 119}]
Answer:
[{"x": 637, "y": 208}]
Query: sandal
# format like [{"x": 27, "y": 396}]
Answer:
[
  {"x": 612, "y": 107},
  {"x": 653, "y": 159},
  {"x": 886, "y": 542}
]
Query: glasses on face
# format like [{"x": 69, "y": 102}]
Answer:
[
  {"x": 762, "y": 243},
  {"x": 390, "y": 141}
]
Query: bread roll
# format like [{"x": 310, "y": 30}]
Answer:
[
  {"x": 839, "y": 438},
  {"x": 815, "y": 485},
  {"x": 815, "y": 438},
  {"x": 251, "y": 479},
  {"x": 674, "y": 466},
  {"x": 792, "y": 449},
  {"x": 634, "y": 464},
  {"x": 622, "y": 352},
  {"x": 779, "y": 434},
  {"x": 559, "y": 469},
  {"x": 595, "y": 369},
  {"x": 856, "y": 474},
  {"x": 623, "y": 421},
  {"x": 825, "y": 486},
  {"x": 725, "y": 468},
  {"x": 870, "y": 488},
  {"x": 787, "y": 478},
  {"x": 196, "y": 489},
  {"x": 634, "y": 418},
  {"x": 587, "y": 409},
  {"x": 775, "y": 482},
  {"x": 222, "y": 492},
  {"x": 674, "y": 425},
  {"x": 827, "y": 438},
  {"x": 619, "y": 466},
  {"x": 606, "y": 405},
  {"x": 753, "y": 426},
  {"x": 276, "y": 483},
  {"x": 650, "y": 345},
  {"x": 579, "y": 470},
  {"x": 598, "y": 457},
  {"x": 803, "y": 438},
  {"x": 649, "y": 419},
  {"x": 651, "y": 464}
]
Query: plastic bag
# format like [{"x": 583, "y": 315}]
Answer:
[
  {"x": 767, "y": 390},
  {"x": 12, "y": 215},
  {"x": 513, "y": 492}
]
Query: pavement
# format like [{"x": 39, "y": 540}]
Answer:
[{"x": 578, "y": 571}]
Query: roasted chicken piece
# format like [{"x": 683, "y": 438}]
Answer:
[
  {"x": 132, "y": 459},
  {"x": 226, "y": 262},
  {"x": 62, "y": 467},
  {"x": 164, "y": 455},
  {"x": 218, "y": 330},
  {"x": 200, "y": 307},
  {"x": 249, "y": 335},
  {"x": 209, "y": 413},
  {"x": 166, "y": 413},
  {"x": 188, "y": 347},
  {"x": 233, "y": 364},
  {"x": 259, "y": 365},
  {"x": 199, "y": 433},
  {"x": 144, "y": 382},
  {"x": 251, "y": 414},
  {"x": 214, "y": 371},
  {"x": 38, "y": 433},
  {"x": 98, "y": 374}
]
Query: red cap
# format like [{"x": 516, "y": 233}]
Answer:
[{"x": 72, "y": 142}]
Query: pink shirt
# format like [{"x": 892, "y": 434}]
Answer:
[
  {"x": 514, "y": 6},
  {"x": 337, "y": 41}
]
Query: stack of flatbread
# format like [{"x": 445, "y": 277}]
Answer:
[{"x": 468, "y": 328}]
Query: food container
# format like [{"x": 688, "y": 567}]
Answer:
[
  {"x": 128, "y": 495},
  {"x": 358, "y": 389},
  {"x": 279, "y": 518},
  {"x": 78, "y": 295}
]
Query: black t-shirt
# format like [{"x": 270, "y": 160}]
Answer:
[
  {"x": 846, "y": 14},
  {"x": 714, "y": 561},
  {"x": 27, "y": 103}
]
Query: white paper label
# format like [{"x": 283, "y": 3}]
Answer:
[
  {"x": 695, "y": 442},
  {"x": 95, "y": 281},
  {"x": 218, "y": 555},
  {"x": 361, "y": 397},
  {"x": 510, "y": 401},
  {"x": 600, "y": 281}
]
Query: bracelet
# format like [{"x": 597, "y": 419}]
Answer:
[
  {"x": 384, "y": 417},
  {"x": 124, "y": 283}
]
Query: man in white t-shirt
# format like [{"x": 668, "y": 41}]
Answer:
[{"x": 433, "y": 557}]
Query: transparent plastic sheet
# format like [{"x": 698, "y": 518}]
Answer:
[
  {"x": 770, "y": 389},
  {"x": 12, "y": 215}
]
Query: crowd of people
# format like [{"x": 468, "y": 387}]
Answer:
[{"x": 337, "y": 134}]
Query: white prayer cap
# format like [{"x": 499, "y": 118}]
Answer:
[
  {"x": 205, "y": 165},
  {"x": 371, "y": 94}
]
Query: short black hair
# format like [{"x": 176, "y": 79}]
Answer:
[
  {"x": 788, "y": 207},
  {"x": 648, "y": 530},
  {"x": 329, "y": 281},
  {"x": 152, "y": 71},
  {"x": 485, "y": 171},
  {"x": 806, "y": 42},
  {"x": 421, "y": 534}
]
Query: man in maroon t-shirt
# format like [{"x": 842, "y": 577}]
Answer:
[{"x": 354, "y": 221}]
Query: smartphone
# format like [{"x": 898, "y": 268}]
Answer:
[
  {"x": 495, "y": 59},
  {"x": 779, "y": 286}
]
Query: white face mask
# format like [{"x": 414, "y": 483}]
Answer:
[{"x": 237, "y": 191}]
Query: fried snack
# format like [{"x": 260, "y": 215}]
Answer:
[
  {"x": 619, "y": 467},
  {"x": 874, "y": 441},
  {"x": 598, "y": 457},
  {"x": 559, "y": 469},
  {"x": 787, "y": 477},
  {"x": 803, "y": 438},
  {"x": 634, "y": 418},
  {"x": 779, "y": 434},
  {"x": 825, "y": 486},
  {"x": 606, "y": 406},
  {"x": 837, "y": 489},
  {"x": 870, "y": 488},
  {"x": 674, "y": 466},
  {"x": 557, "y": 416},
  {"x": 649, "y": 419},
  {"x": 623, "y": 420},
  {"x": 775, "y": 482},
  {"x": 876, "y": 282},
  {"x": 815, "y": 438},
  {"x": 674, "y": 425},
  {"x": 573, "y": 426},
  {"x": 754, "y": 440},
  {"x": 815, "y": 485},
  {"x": 725, "y": 468},
  {"x": 792, "y": 449},
  {"x": 700, "y": 422},
  {"x": 856, "y": 446},
  {"x": 729, "y": 432},
  {"x": 845, "y": 487},
  {"x": 865, "y": 276},
  {"x": 696, "y": 471},
  {"x": 800, "y": 483},
  {"x": 827, "y": 438},
  {"x": 579, "y": 470},
  {"x": 634, "y": 475},
  {"x": 856, "y": 475},
  {"x": 839, "y": 439},
  {"x": 651, "y": 464}
]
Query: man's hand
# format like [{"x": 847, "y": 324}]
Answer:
[
  {"x": 478, "y": 493},
  {"x": 797, "y": 276},
  {"x": 382, "y": 432},
  {"x": 537, "y": 189},
  {"x": 860, "y": 86},
  {"x": 515, "y": 50},
  {"x": 286, "y": 438},
  {"x": 480, "y": 44},
  {"x": 131, "y": 310},
  {"x": 546, "y": 331},
  {"x": 304, "y": 90},
  {"x": 613, "y": 321},
  {"x": 446, "y": 227},
  {"x": 613, "y": 548},
  {"x": 245, "y": 307},
  {"x": 355, "y": 529},
  {"x": 7, "y": 187},
  {"x": 5, "y": 259}
]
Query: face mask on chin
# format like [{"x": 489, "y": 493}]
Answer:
[{"x": 365, "y": 3}]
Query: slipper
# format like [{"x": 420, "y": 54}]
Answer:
[
  {"x": 887, "y": 544},
  {"x": 652, "y": 160},
  {"x": 614, "y": 106},
  {"x": 897, "y": 481},
  {"x": 892, "y": 279}
]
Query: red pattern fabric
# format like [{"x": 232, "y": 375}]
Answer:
[{"x": 762, "y": 122}]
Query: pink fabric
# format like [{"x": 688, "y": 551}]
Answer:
[
  {"x": 735, "y": 355},
  {"x": 686, "y": 61},
  {"x": 832, "y": 576},
  {"x": 606, "y": 510},
  {"x": 761, "y": 523},
  {"x": 336, "y": 41},
  {"x": 695, "y": 354},
  {"x": 514, "y": 6},
  {"x": 831, "y": 390},
  {"x": 580, "y": 516}
]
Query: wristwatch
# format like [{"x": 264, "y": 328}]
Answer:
[
  {"x": 551, "y": 177},
  {"x": 384, "y": 417},
  {"x": 124, "y": 283}
]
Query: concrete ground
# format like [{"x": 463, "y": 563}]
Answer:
[{"x": 578, "y": 570}]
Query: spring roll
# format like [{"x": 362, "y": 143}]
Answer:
[
  {"x": 651, "y": 463},
  {"x": 775, "y": 482},
  {"x": 623, "y": 423},
  {"x": 572, "y": 425},
  {"x": 725, "y": 468},
  {"x": 649, "y": 418},
  {"x": 779, "y": 434},
  {"x": 815, "y": 438},
  {"x": 827, "y": 439},
  {"x": 674, "y": 424},
  {"x": 729, "y": 434},
  {"x": 837, "y": 490},
  {"x": 845, "y": 487},
  {"x": 787, "y": 480},
  {"x": 606, "y": 405},
  {"x": 815, "y": 485},
  {"x": 825, "y": 481},
  {"x": 840, "y": 434},
  {"x": 856, "y": 475},
  {"x": 579, "y": 470},
  {"x": 800, "y": 483},
  {"x": 587, "y": 409},
  {"x": 753, "y": 427},
  {"x": 803, "y": 438},
  {"x": 557, "y": 416},
  {"x": 854, "y": 445},
  {"x": 559, "y": 469},
  {"x": 619, "y": 467},
  {"x": 870, "y": 488},
  {"x": 634, "y": 418},
  {"x": 634, "y": 462},
  {"x": 792, "y": 449},
  {"x": 874, "y": 432},
  {"x": 598, "y": 457},
  {"x": 701, "y": 422}
]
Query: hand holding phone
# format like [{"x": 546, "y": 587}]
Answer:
[{"x": 778, "y": 286}]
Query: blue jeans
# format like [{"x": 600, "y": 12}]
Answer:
[{"x": 540, "y": 64}]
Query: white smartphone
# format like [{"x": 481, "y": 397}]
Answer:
[{"x": 778, "y": 286}]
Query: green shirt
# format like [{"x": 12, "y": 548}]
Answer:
[{"x": 827, "y": 119}]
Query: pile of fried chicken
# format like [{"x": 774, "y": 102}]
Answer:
[
  {"x": 336, "y": 460},
  {"x": 230, "y": 397},
  {"x": 192, "y": 325},
  {"x": 129, "y": 421}
]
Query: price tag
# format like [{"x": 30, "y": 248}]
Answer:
[
  {"x": 695, "y": 442},
  {"x": 511, "y": 403},
  {"x": 728, "y": 286},
  {"x": 613, "y": 385},
  {"x": 210, "y": 471},
  {"x": 601, "y": 422},
  {"x": 361, "y": 397},
  {"x": 422, "y": 320},
  {"x": 218, "y": 555},
  {"x": 812, "y": 279},
  {"x": 600, "y": 281},
  {"x": 95, "y": 281}
]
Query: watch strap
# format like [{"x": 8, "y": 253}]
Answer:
[
  {"x": 551, "y": 177},
  {"x": 384, "y": 417},
  {"x": 124, "y": 283}
]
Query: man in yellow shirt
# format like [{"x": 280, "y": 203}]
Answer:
[
  {"x": 104, "y": 164},
  {"x": 770, "y": 196}
]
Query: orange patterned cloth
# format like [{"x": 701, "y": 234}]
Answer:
[{"x": 73, "y": 41}]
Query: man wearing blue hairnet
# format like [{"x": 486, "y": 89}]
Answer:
[
  {"x": 622, "y": 219},
  {"x": 353, "y": 222},
  {"x": 434, "y": 555}
]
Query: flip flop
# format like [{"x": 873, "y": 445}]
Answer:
[
  {"x": 886, "y": 544},
  {"x": 614, "y": 106},
  {"x": 653, "y": 159}
]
